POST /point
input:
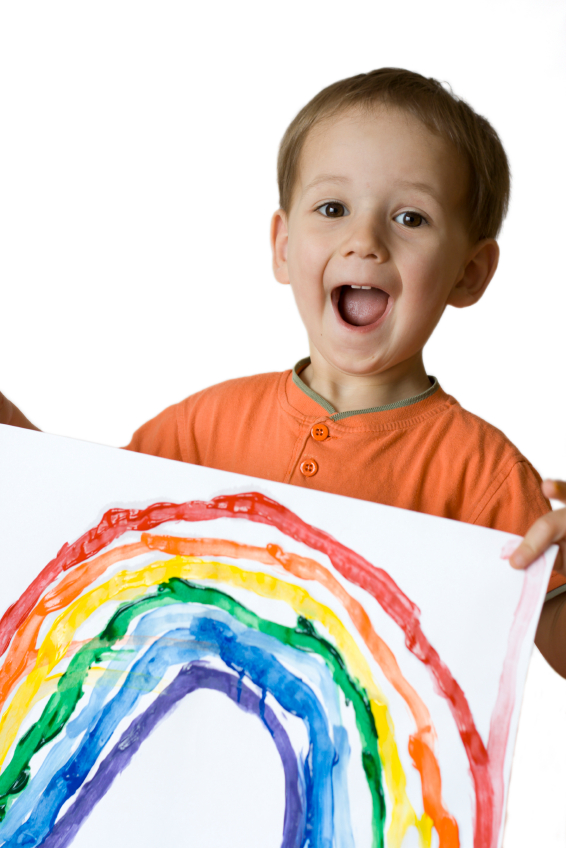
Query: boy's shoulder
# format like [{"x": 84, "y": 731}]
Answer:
[
  {"x": 251, "y": 386},
  {"x": 235, "y": 399},
  {"x": 469, "y": 424},
  {"x": 213, "y": 407},
  {"x": 494, "y": 484},
  {"x": 471, "y": 442}
]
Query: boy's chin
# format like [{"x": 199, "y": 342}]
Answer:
[{"x": 348, "y": 363}]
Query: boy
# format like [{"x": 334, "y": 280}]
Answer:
[{"x": 392, "y": 193}]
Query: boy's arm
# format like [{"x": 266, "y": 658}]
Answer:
[
  {"x": 10, "y": 414},
  {"x": 551, "y": 633},
  {"x": 550, "y": 529}
]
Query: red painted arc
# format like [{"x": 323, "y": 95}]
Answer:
[{"x": 253, "y": 506}]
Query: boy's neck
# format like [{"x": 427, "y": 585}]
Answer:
[{"x": 348, "y": 392}]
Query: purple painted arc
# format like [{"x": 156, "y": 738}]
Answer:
[{"x": 190, "y": 678}]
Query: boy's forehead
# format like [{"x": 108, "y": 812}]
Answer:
[{"x": 382, "y": 146}]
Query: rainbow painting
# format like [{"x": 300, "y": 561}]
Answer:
[{"x": 153, "y": 603}]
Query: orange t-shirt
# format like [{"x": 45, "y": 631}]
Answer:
[{"x": 425, "y": 453}]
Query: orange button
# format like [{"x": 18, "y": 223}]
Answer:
[
  {"x": 309, "y": 467},
  {"x": 320, "y": 432}
]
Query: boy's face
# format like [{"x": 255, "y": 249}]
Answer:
[{"x": 379, "y": 204}]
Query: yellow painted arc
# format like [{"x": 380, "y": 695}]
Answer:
[{"x": 126, "y": 585}]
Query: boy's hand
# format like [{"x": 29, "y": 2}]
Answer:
[
  {"x": 549, "y": 529},
  {"x": 10, "y": 414}
]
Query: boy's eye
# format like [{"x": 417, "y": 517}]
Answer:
[
  {"x": 332, "y": 210},
  {"x": 410, "y": 219}
]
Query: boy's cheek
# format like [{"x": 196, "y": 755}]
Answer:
[{"x": 304, "y": 269}]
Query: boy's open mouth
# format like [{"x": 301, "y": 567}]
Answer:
[{"x": 360, "y": 305}]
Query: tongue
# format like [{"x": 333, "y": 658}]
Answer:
[{"x": 362, "y": 306}]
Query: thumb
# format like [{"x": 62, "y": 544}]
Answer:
[
  {"x": 545, "y": 531},
  {"x": 555, "y": 489}
]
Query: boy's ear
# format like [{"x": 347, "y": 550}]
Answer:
[
  {"x": 477, "y": 273},
  {"x": 279, "y": 240}
]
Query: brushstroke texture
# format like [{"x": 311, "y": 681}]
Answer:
[{"x": 107, "y": 661}]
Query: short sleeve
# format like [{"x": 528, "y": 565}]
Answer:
[
  {"x": 160, "y": 436},
  {"x": 516, "y": 504}
]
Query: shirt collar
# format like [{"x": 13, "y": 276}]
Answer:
[{"x": 339, "y": 416}]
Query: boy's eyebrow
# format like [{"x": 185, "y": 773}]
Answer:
[
  {"x": 424, "y": 187},
  {"x": 327, "y": 178}
]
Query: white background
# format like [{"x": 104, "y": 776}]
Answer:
[{"x": 137, "y": 178}]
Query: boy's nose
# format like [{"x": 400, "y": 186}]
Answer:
[{"x": 365, "y": 241}]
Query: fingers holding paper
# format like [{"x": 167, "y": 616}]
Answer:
[{"x": 547, "y": 530}]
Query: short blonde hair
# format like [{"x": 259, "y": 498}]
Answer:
[{"x": 439, "y": 110}]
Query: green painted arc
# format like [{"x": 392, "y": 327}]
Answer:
[{"x": 303, "y": 637}]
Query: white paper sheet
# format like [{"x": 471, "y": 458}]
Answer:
[{"x": 352, "y": 677}]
